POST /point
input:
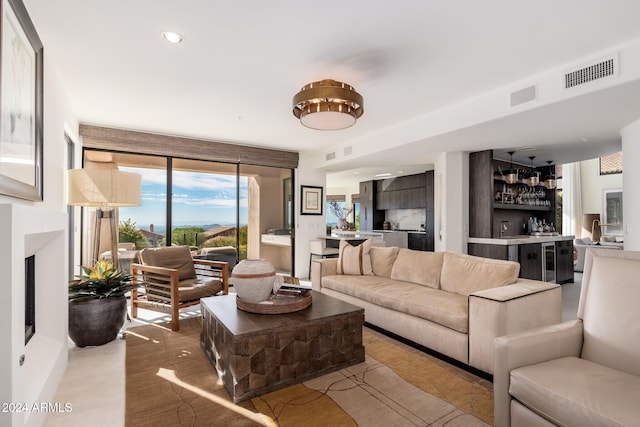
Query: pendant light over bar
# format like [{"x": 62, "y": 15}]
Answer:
[
  {"x": 511, "y": 174},
  {"x": 550, "y": 179},
  {"x": 534, "y": 176},
  {"x": 328, "y": 105}
]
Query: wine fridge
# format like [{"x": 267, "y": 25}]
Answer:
[{"x": 549, "y": 261}]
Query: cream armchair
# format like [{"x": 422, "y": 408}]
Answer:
[{"x": 584, "y": 372}]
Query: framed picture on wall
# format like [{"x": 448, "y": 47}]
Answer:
[
  {"x": 21, "y": 88},
  {"x": 310, "y": 200}
]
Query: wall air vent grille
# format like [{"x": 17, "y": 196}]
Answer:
[
  {"x": 590, "y": 73},
  {"x": 330, "y": 156},
  {"x": 523, "y": 96}
]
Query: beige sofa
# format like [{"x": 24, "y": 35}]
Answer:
[
  {"x": 581, "y": 246},
  {"x": 584, "y": 372},
  {"x": 452, "y": 303}
]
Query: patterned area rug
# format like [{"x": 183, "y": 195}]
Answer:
[{"x": 170, "y": 382}]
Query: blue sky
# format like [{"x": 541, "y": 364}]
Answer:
[{"x": 198, "y": 199}]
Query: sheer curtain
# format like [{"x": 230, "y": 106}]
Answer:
[{"x": 571, "y": 200}]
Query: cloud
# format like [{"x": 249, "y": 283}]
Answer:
[
  {"x": 192, "y": 188},
  {"x": 201, "y": 181},
  {"x": 210, "y": 202}
]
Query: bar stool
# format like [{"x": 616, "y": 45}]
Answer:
[{"x": 318, "y": 249}]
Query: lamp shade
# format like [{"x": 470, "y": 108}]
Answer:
[
  {"x": 103, "y": 188},
  {"x": 511, "y": 174}
]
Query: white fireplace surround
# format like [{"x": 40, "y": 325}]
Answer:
[{"x": 32, "y": 230}]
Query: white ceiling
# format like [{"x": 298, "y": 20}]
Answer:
[{"x": 240, "y": 63}]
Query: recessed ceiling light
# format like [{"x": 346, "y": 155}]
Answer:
[
  {"x": 383, "y": 174},
  {"x": 172, "y": 37}
]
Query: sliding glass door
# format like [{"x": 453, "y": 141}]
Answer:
[
  {"x": 204, "y": 205},
  {"x": 269, "y": 215},
  {"x": 212, "y": 207}
]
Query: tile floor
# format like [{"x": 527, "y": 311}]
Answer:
[{"x": 94, "y": 381}]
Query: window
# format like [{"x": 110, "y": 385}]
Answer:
[
  {"x": 336, "y": 209},
  {"x": 611, "y": 164},
  {"x": 205, "y": 204},
  {"x": 355, "y": 202},
  {"x": 612, "y": 212}
]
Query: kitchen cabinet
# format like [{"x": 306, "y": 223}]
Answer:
[
  {"x": 564, "y": 261},
  {"x": 409, "y": 192},
  {"x": 429, "y": 225},
  {"x": 489, "y": 251},
  {"x": 371, "y": 218},
  {"x": 554, "y": 253},
  {"x": 420, "y": 242},
  {"x": 530, "y": 257},
  {"x": 403, "y": 192}
]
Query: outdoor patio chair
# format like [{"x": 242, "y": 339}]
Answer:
[{"x": 174, "y": 280}]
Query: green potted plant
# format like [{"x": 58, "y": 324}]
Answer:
[{"x": 97, "y": 305}]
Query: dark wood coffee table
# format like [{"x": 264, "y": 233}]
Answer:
[{"x": 258, "y": 353}]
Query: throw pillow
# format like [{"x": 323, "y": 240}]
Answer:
[
  {"x": 382, "y": 260},
  {"x": 355, "y": 260},
  {"x": 419, "y": 267}
]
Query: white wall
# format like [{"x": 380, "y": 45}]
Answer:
[
  {"x": 451, "y": 176},
  {"x": 593, "y": 185},
  {"x": 46, "y": 354},
  {"x": 631, "y": 195},
  {"x": 307, "y": 227}
]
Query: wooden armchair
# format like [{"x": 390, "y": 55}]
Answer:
[{"x": 174, "y": 280}]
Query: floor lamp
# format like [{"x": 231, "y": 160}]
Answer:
[
  {"x": 104, "y": 189},
  {"x": 591, "y": 223}
]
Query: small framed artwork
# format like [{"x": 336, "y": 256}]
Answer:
[
  {"x": 310, "y": 200},
  {"x": 21, "y": 88}
]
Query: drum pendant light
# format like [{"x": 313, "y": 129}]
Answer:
[
  {"x": 550, "y": 180},
  {"x": 511, "y": 174},
  {"x": 534, "y": 176},
  {"x": 328, "y": 105}
]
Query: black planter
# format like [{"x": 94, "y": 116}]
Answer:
[{"x": 96, "y": 321}]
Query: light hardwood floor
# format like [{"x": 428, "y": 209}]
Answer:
[{"x": 94, "y": 381}]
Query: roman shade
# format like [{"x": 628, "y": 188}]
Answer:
[{"x": 112, "y": 139}]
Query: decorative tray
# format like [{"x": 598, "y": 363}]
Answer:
[{"x": 284, "y": 301}]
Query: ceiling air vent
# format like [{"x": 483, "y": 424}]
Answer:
[
  {"x": 348, "y": 150},
  {"x": 523, "y": 95},
  {"x": 330, "y": 156},
  {"x": 587, "y": 74}
]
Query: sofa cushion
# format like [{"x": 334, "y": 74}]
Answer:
[
  {"x": 573, "y": 391},
  {"x": 194, "y": 289},
  {"x": 178, "y": 257},
  {"x": 355, "y": 259},
  {"x": 188, "y": 290},
  {"x": 419, "y": 267},
  {"x": 444, "y": 308},
  {"x": 465, "y": 274},
  {"x": 583, "y": 241},
  {"x": 382, "y": 260}
]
